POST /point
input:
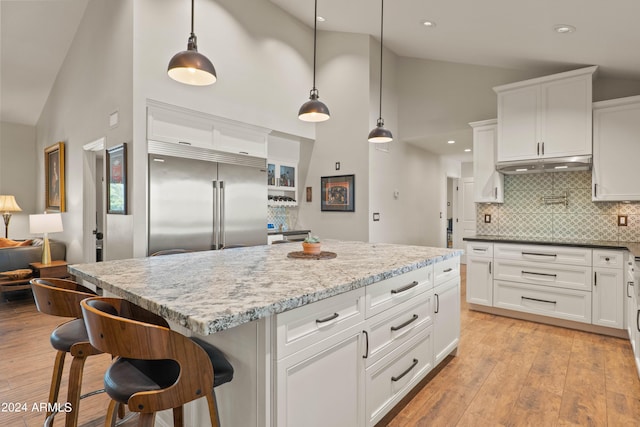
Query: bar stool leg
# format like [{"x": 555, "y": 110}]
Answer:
[
  {"x": 146, "y": 419},
  {"x": 112, "y": 411},
  {"x": 178, "y": 416},
  {"x": 56, "y": 379},
  {"x": 73, "y": 394},
  {"x": 213, "y": 409}
]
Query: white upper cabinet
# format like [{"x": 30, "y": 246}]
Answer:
[
  {"x": 489, "y": 184},
  {"x": 178, "y": 125},
  {"x": 546, "y": 117},
  {"x": 616, "y": 150}
]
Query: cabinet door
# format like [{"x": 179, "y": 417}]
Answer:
[
  {"x": 608, "y": 297},
  {"x": 319, "y": 387},
  {"x": 488, "y": 182},
  {"x": 446, "y": 327},
  {"x": 616, "y": 150},
  {"x": 518, "y": 124},
  {"x": 566, "y": 117},
  {"x": 480, "y": 280}
]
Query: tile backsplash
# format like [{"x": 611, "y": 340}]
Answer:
[
  {"x": 524, "y": 213},
  {"x": 282, "y": 217}
]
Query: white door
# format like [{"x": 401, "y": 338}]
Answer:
[
  {"x": 93, "y": 203},
  {"x": 466, "y": 220}
]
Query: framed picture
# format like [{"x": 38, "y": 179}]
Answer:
[
  {"x": 337, "y": 193},
  {"x": 54, "y": 177},
  {"x": 117, "y": 180}
]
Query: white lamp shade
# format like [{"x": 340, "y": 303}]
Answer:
[
  {"x": 45, "y": 223},
  {"x": 9, "y": 204}
]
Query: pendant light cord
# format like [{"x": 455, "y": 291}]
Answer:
[
  {"x": 315, "y": 30},
  {"x": 192, "y": 17},
  {"x": 381, "y": 37}
]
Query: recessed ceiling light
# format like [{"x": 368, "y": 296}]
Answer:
[
  {"x": 564, "y": 29},
  {"x": 451, "y": 141},
  {"x": 320, "y": 18},
  {"x": 428, "y": 24},
  {"x": 467, "y": 150}
]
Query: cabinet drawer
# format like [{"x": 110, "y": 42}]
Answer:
[
  {"x": 608, "y": 258},
  {"x": 480, "y": 249},
  {"x": 566, "y": 304},
  {"x": 309, "y": 324},
  {"x": 446, "y": 270},
  {"x": 565, "y": 276},
  {"x": 392, "y": 377},
  {"x": 543, "y": 254},
  {"x": 398, "y": 325},
  {"x": 388, "y": 293}
]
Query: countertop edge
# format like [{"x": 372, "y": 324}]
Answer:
[{"x": 255, "y": 313}]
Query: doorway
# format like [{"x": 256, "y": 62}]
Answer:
[
  {"x": 451, "y": 216},
  {"x": 93, "y": 201},
  {"x": 466, "y": 219}
]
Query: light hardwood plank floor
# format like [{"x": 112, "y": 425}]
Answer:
[{"x": 507, "y": 372}]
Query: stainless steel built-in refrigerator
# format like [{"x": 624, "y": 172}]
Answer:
[{"x": 202, "y": 199}]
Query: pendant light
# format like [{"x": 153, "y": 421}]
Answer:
[
  {"x": 191, "y": 67},
  {"x": 379, "y": 134},
  {"x": 314, "y": 110}
]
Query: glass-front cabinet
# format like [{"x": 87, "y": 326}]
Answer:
[{"x": 282, "y": 179}]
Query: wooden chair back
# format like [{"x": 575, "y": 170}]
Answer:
[
  {"x": 113, "y": 329},
  {"x": 59, "y": 297}
]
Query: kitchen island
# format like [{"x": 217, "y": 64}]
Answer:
[{"x": 304, "y": 336}]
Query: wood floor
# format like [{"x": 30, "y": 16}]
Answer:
[{"x": 507, "y": 373}]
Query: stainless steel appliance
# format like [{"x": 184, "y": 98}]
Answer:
[{"x": 202, "y": 199}]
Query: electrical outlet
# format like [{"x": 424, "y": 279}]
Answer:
[
  {"x": 376, "y": 216},
  {"x": 487, "y": 218},
  {"x": 622, "y": 220}
]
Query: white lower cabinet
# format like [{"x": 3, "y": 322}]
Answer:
[
  {"x": 480, "y": 273},
  {"x": 608, "y": 308},
  {"x": 323, "y": 385},
  {"x": 391, "y": 378},
  {"x": 347, "y": 360},
  {"x": 446, "y": 319}
]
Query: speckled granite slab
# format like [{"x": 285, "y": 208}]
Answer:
[{"x": 212, "y": 291}]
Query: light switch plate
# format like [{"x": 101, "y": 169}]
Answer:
[
  {"x": 487, "y": 218},
  {"x": 622, "y": 220},
  {"x": 376, "y": 216}
]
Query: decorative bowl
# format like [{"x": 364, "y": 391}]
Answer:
[
  {"x": 16, "y": 274},
  {"x": 311, "y": 248}
]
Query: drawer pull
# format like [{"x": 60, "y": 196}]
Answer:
[
  {"x": 407, "y": 323},
  {"x": 629, "y": 284},
  {"x": 539, "y": 300},
  {"x": 326, "y": 319},
  {"x": 399, "y": 377},
  {"x": 638, "y": 320},
  {"x": 538, "y": 254},
  {"x": 447, "y": 270},
  {"x": 480, "y": 249},
  {"x": 539, "y": 274},
  {"x": 405, "y": 288}
]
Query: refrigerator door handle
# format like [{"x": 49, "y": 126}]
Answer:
[
  {"x": 222, "y": 219},
  {"x": 216, "y": 225}
]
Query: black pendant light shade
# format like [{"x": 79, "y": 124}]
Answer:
[
  {"x": 379, "y": 134},
  {"x": 191, "y": 67},
  {"x": 314, "y": 110}
]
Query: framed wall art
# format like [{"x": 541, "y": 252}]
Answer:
[
  {"x": 54, "y": 177},
  {"x": 117, "y": 180},
  {"x": 337, "y": 193}
]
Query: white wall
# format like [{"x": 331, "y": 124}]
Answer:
[
  {"x": 343, "y": 83},
  {"x": 18, "y": 168},
  {"x": 94, "y": 81},
  {"x": 263, "y": 60}
]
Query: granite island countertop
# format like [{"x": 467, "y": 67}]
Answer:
[
  {"x": 632, "y": 247},
  {"x": 211, "y": 291}
]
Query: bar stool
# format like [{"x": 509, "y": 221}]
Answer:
[
  {"x": 60, "y": 297},
  {"x": 157, "y": 368}
]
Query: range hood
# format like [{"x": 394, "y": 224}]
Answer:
[{"x": 555, "y": 164}]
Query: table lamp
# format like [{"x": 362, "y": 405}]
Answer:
[
  {"x": 7, "y": 205},
  {"x": 45, "y": 224}
]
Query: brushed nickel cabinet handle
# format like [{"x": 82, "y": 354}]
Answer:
[
  {"x": 540, "y": 300},
  {"x": 405, "y": 288},
  {"x": 447, "y": 270},
  {"x": 326, "y": 319},
  {"x": 539, "y": 254},
  {"x": 539, "y": 274},
  {"x": 405, "y": 324},
  {"x": 366, "y": 353},
  {"x": 399, "y": 377},
  {"x": 629, "y": 284}
]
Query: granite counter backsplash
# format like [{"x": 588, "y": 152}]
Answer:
[{"x": 523, "y": 213}]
